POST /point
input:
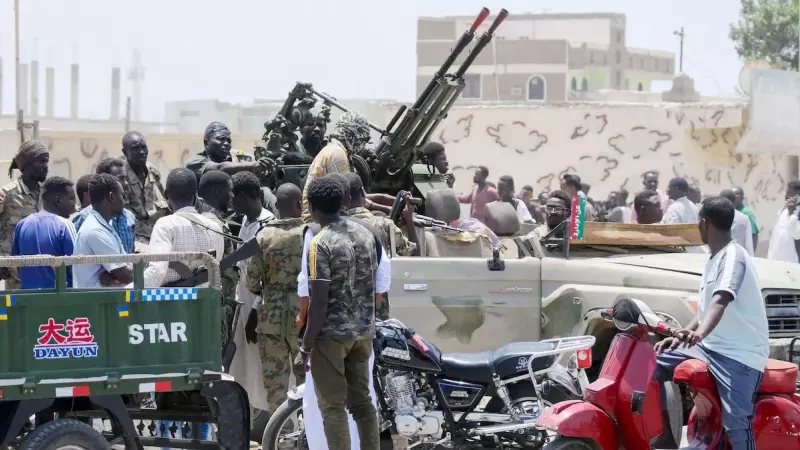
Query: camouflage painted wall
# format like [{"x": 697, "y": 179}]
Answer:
[
  {"x": 74, "y": 154},
  {"x": 611, "y": 145}
]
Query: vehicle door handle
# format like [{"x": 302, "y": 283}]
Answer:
[{"x": 421, "y": 287}]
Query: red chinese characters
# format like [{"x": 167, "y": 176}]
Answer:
[
  {"x": 76, "y": 331},
  {"x": 79, "y": 331}
]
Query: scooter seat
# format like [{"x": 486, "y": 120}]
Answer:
[{"x": 779, "y": 376}]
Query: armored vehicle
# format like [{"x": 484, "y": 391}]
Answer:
[{"x": 141, "y": 361}]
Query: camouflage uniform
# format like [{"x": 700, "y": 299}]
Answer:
[
  {"x": 147, "y": 201},
  {"x": 344, "y": 253},
  {"x": 385, "y": 227},
  {"x": 272, "y": 274},
  {"x": 16, "y": 202},
  {"x": 229, "y": 277}
]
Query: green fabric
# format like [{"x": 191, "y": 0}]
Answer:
[{"x": 752, "y": 216}]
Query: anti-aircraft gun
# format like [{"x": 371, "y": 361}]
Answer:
[
  {"x": 396, "y": 154},
  {"x": 392, "y": 165}
]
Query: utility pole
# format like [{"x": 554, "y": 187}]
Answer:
[
  {"x": 17, "y": 100},
  {"x": 127, "y": 114},
  {"x": 681, "y": 35}
]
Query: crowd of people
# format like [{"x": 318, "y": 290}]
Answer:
[
  {"x": 322, "y": 272},
  {"x": 680, "y": 204}
]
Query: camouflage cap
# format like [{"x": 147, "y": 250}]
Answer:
[{"x": 352, "y": 130}]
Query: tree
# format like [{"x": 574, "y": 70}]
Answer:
[{"x": 768, "y": 30}]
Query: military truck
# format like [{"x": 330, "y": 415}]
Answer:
[
  {"x": 529, "y": 289},
  {"x": 148, "y": 361}
]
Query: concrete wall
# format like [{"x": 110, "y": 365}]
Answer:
[{"x": 611, "y": 145}]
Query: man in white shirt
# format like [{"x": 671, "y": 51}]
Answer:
[
  {"x": 505, "y": 189},
  {"x": 787, "y": 228},
  {"x": 741, "y": 229},
  {"x": 185, "y": 230},
  {"x": 97, "y": 237},
  {"x": 682, "y": 209},
  {"x": 246, "y": 364},
  {"x": 730, "y": 332}
]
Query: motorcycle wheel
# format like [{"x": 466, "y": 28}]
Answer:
[
  {"x": 276, "y": 434},
  {"x": 568, "y": 443}
]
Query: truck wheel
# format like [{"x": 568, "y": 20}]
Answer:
[
  {"x": 277, "y": 426},
  {"x": 568, "y": 443},
  {"x": 260, "y": 421},
  {"x": 67, "y": 434}
]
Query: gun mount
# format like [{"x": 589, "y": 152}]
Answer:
[{"x": 388, "y": 167}]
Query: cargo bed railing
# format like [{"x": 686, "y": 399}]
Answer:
[{"x": 138, "y": 260}]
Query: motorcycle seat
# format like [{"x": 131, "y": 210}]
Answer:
[
  {"x": 506, "y": 361},
  {"x": 779, "y": 377}
]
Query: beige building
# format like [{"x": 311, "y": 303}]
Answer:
[{"x": 544, "y": 57}]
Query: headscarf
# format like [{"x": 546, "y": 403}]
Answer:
[
  {"x": 28, "y": 153},
  {"x": 352, "y": 130}
]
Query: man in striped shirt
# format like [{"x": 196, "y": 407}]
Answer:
[{"x": 349, "y": 135}]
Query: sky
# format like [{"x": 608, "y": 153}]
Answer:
[{"x": 238, "y": 50}]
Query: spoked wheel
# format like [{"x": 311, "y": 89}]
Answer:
[
  {"x": 65, "y": 434},
  {"x": 286, "y": 428}
]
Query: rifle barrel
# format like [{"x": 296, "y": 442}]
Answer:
[{"x": 335, "y": 103}]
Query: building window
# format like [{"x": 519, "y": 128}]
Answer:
[
  {"x": 640, "y": 87},
  {"x": 472, "y": 86},
  {"x": 574, "y": 84},
  {"x": 641, "y": 63},
  {"x": 537, "y": 88},
  {"x": 619, "y": 36},
  {"x": 185, "y": 113},
  {"x": 617, "y": 79},
  {"x": 591, "y": 57},
  {"x": 584, "y": 85},
  {"x": 630, "y": 62},
  {"x": 619, "y": 57},
  {"x": 669, "y": 66}
]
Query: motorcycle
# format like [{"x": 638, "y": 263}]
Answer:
[
  {"x": 428, "y": 398},
  {"x": 623, "y": 405}
]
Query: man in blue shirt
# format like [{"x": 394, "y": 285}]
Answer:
[
  {"x": 47, "y": 232},
  {"x": 97, "y": 237},
  {"x": 125, "y": 223}
]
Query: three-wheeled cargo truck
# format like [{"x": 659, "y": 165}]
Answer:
[{"x": 146, "y": 362}]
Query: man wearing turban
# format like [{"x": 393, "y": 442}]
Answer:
[{"x": 20, "y": 198}]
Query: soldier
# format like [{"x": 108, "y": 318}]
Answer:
[
  {"x": 216, "y": 190},
  {"x": 341, "y": 322},
  {"x": 349, "y": 135},
  {"x": 434, "y": 155},
  {"x": 312, "y": 139},
  {"x": 385, "y": 228},
  {"x": 272, "y": 274},
  {"x": 20, "y": 198},
  {"x": 147, "y": 200},
  {"x": 217, "y": 155}
]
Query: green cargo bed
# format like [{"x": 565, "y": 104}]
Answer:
[{"x": 75, "y": 343}]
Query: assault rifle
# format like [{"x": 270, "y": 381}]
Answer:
[
  {"x": 196, "y": 277},
  {"x": 419, "y": 220}
]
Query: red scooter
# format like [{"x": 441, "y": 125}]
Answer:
[{"x": 622, "y": 408}]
